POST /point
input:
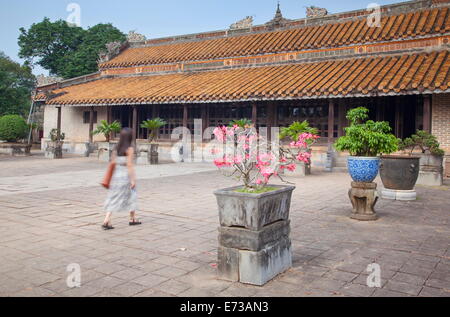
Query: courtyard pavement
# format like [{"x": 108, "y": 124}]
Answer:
[{"x": 51, "y": 211}]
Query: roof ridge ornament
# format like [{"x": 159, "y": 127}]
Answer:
[
  {"x": 315, "y": 12},
  {"x": 278, "y": 21},
  {"x": 245, "y": 23},
  {"x": 112, "y": 50},
  {"x": 134, "y": 37},
  {"x": 43, "y": 80}
]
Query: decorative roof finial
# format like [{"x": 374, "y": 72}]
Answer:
[{"x": 278, "y": 20}]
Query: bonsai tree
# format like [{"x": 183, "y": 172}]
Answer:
[
  {"x": 366, "y": 137},
  {"x": 53, "y": 136},
  {"x": 423, "y": 140},
  {"x": 13, "y": 128},
  {"x": 153, "y": 126},
  {"x": 106, "y": 129}
]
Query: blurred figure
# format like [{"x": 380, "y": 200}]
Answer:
[{"x": 122, "y": 195}]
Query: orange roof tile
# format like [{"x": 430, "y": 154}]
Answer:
[
  {"x": 420, "y": 23},
  {"x": 348, "y": 77}
]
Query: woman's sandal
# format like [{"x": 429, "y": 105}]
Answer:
[
  {"x": 135, "y": 223},
  {"x": 107, "y": 227}
]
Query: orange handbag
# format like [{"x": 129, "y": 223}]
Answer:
[{"x": 109, "y": 173}]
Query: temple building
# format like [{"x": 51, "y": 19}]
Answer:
[{"x": 282, "y": 71}]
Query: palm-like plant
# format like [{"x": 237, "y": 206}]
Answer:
[
  {"x": 241, "y": 123},
  {"x": 153, "y": 126},
  {"x": 106, "y": 129},
  {"x": 296, "y": 129}
]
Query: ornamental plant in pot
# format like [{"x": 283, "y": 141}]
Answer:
[
  {"x": 254, "y": 243},
  {"x": 431, "y": 157},
  {"x": 54, "y": 147},
  {"x": 365, "y": 139},
  {"x": 153, "y": 126},
  {"x": 291, "y": 134},
  {"x": 105, "y": 148}
]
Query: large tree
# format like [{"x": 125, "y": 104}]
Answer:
[
  {"x": 16, "y": 84},
  {"x": 66, "y": 51}
]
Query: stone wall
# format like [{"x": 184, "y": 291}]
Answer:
[{"x": 76, "y": 132}]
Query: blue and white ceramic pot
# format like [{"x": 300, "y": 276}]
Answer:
[{"x": 363, "y": 169}]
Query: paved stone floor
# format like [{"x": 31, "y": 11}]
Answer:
[{"x": 50, "y": 215}]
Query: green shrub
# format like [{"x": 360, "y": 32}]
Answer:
[
  {"x": 153, "y": 126},
  {"x": 106, "y": 129},
  {"x": 366, "y": 137},
  {"x": 296, "y": 129},
  {"x": 12, "y": 128}
]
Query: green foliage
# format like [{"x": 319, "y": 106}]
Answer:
[
  {"x": 153, "y": 126},
  {"x": 16, "y": 84},
  {"x": 296, "y": 129},
  {"x": 423, "y": 140},
  {"x": 241, "y": 123},
  {"x": 106, "y": 129},
  {"x": 12, "y": 128},
  {"x": 66, "y": 51},
  {"x": 366, "y": 137},
  {"x": 53, "y": 135}
]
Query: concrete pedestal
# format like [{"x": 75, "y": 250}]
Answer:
[
  {"x": 254, "y": 257},
  {"x": 363, "y": 196},
  {"x": 404, "y": 195}
]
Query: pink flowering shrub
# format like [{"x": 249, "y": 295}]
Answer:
[{"x": 244, "y": 154}]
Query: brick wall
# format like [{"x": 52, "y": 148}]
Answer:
[
  {"x": 441, "y": 120},
  {"x": 441, "y": 125}
]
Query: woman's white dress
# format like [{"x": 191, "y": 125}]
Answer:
[{"x": 120, "y": 195}]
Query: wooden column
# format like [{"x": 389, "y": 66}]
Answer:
[
  {"x": 91, "y": 125},
  {"x": 330, "y": 121},
  {"x": 58, "y": 123},
  {"x": 185, "y": 115},
  {"x": 205, "y": 118},
  {"x": 108, "y": 114},
  {"x": 155, "y": 114},
  {"x": 255, "y": 113},
  {"x": 380, "y": 109},
  {"x": 342, "y": 119},
  {"x": 427, "y": 113},
  {"x": 134, "y": 123}
]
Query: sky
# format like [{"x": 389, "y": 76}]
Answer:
[{"x": 155, "y": 18}]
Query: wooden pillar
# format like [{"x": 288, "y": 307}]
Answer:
[
  {"x": 134, "y": 123},
  {"x": 330, "y": 121},
  {"x": 342, "y": 118},
  {"x": 185, "y": 115},
  {"x": 58, "y": 123},
  {"x": 91, "y": 125},
  {"x": 205, "y": 119},
  {"x": 379, "y": 109},
  {"x": 255, "y": 113},
  {"x": 109, "y": 114},
  {"x": 427, "y": 113},
  {"x": 270, "y": 119}
]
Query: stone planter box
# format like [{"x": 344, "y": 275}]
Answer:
[
  {"x": 431, "y": 171},
  {"x": 15, "y": 149},
  {"x": 254, "y": 242},
  {"x": 105, "y": 150},
  {"x": 399, "y": 176},
  {"x": 147, "y": 154},
  {"x": 54, "y": 149}
]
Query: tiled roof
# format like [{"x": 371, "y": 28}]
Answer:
[
  {"x": 336, "y": 78},
  {"x": 329, "y": 35}
]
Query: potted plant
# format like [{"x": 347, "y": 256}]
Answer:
[
  {"x": 365, "y": 139},
  {"x": 153, "y": 127},
  {"x": 105, "y": 148},
  {"x": 13, "y": 129},
  {"x": 291, "y": 134},
  {"x": 254, "y": 243},
  {"x": 431, "y": 157},
  {"x": 54, "y": 147}
]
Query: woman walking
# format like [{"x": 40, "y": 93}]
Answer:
[{"x": 122, "y": 195}]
